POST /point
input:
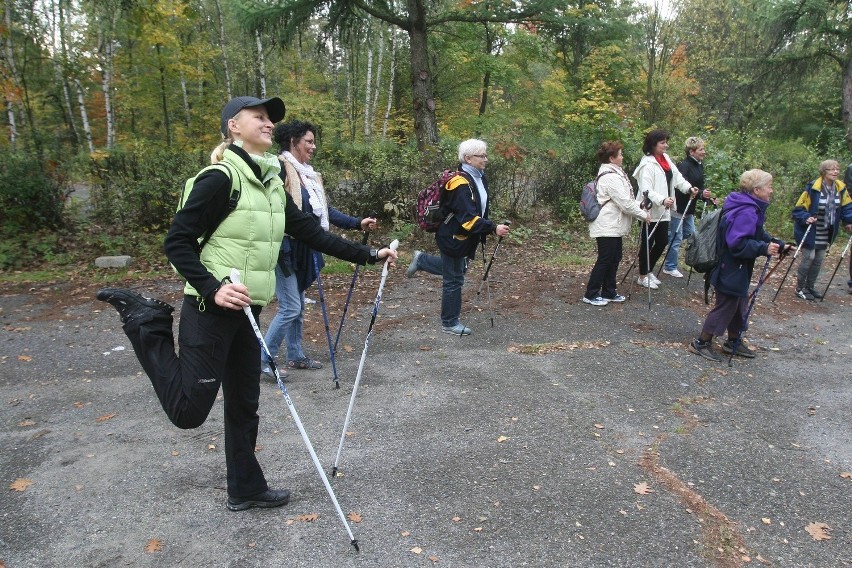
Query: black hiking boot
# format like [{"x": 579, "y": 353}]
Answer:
[
  {"x": 133, "y": 307},
  {"x": 267, "y": 499},
  {"x": 742, "y": 349},
  {"x": 704, "y": 349}
]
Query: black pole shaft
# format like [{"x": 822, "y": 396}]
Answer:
[
  {"x": 839, "y": 262},
  {"x": 738, "y": 341}
]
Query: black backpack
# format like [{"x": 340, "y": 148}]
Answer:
[{"x": 702, "y": 248}]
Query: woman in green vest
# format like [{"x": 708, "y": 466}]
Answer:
[{"x": 211, "y": 234}]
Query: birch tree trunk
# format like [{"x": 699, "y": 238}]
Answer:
[
  {"x": 390, "y": 84},
  {"x": 84, "y": 116},
  {"x": 10, "y": 60},
  {"x": 163, "y": 100},
  {"x": 224, "y": 51},
  {"x": 261, "y": 64},
  {"x": 368, "y": 92},
  {"x": 63, "y": 69},
  {"x": 375, "y": 104},
  {"x": 106, "y": 46},
  {"x": 185, "y": 95}
]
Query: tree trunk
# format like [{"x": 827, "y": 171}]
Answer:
[
  {"x": 62, "y": 69},
  {"x": 162, "y": 69},
  {"x": 425, "y": 123},
  {"x": 379, "y": 64},
  {"x": 390, "y": 84},
  {"x": 368, "y": 91},
  {"x": 847, "y": 101},
  {"x": 10, "y": 58},
  {"x": 261, "y": 64},
  {"x": 84, "y": 116},
  {"x": 224, "y": 52},
  {"x": 106, "y": 58},
  {"x": 184, "y": 93}
]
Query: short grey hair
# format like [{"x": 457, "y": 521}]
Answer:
[
  {"x": 828, "y": 165},
  {"x": 753, "y": 179},
  {"x": 471, "y": 147}
]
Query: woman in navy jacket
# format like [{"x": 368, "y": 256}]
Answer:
[{"x": 742, "y": 239}]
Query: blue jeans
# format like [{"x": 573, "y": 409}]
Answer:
[
  {"x": 287, "y": 323},
  {"x": 676, "y": 236},
  {"x": 452, "y": 270}
]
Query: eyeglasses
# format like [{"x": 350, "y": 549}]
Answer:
[{"x": 483, "y": 156}]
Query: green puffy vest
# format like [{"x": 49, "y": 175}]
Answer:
[{"x": 249, "y": 238}]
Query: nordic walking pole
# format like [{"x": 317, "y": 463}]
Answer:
[
  {"x": 757, "y": 288},
  {"x": 235, "y": 278},
  {"x": 675, "y": 233},
  {"x": 351, "y": 286},
  {"x": 325, "y": 320},
  {"x": 487, "y": 270},
  {"x": 392, "y": 246},
  {"x": 792, "y": 262},
  {"x": 839, "y": 262}
]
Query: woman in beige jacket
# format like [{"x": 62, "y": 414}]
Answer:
[{"x": 618, "y": 208}]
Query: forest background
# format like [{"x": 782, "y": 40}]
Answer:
[{"x": 122, "y": 98}]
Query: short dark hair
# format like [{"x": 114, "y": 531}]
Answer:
[
  {"x": 286, "y": 132},
  {"x": 653, "y": 138},
  {"x": 609, "y": 149}
]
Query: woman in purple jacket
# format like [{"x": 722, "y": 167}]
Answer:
[{"x": 742, "y": 239}]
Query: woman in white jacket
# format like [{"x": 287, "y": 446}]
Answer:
[
  {"x": 658, "y": 176},
  {"x": 618, "y": 208}
]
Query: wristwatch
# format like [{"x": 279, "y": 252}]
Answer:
[{"x": 374, "y": 255}]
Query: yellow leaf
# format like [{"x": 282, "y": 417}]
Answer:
[
  {"x": 24, "y": 358},
  {"x": 154, "y": 545},
  {"x": 21, "y": 484},
  {"x": 105, "y": 417},
  {"x": 818, "y": 531}
]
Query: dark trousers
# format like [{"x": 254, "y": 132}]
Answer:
[
  {"x": 603, "y": 276},
  {"x": 728, "y": 313},
  {"x": 217, "y": 347},
  {"x": 659, "y": 242}
]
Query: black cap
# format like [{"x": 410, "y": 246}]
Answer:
[{"x": 274, "y": 107}]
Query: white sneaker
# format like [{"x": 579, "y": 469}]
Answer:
[
  {"x": 654, "y": 278},
  {"x": 647, "y": 283},
  {"x": 676, "y": 273}
]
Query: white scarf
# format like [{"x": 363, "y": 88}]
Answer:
[{"x": 311, "y": 180}]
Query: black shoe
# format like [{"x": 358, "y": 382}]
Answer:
[
  {"x": 815, "y": 294},
  {"x": 132, "y": 306},
  {"x": 267, "y": 499},
  {"x": 704, "y": 349},
  {"x": 742, "y": 349},
  {"x": 804, "y": 294}
]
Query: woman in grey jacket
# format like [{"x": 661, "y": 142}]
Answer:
[{"x": 618, "y": 208}]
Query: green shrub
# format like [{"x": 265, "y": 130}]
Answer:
[
  {"x": 32, "y": 194},
  {"x": 138, "y": 187}
]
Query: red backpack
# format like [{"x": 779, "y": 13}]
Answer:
[{"x": 428, "y": 209}]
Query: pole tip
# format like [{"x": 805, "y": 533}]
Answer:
[{"x": 355, "y": 544}]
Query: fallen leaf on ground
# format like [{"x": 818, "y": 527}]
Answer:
[
  {"x": 416, "y": 550},
  {"x": 599, "y": 426},
  {"x": 308, "y": 518},
  {"x": 20, "y": 484},
  {"x": 154, "y": 545},
  {"x": 105, "y": 417},
  {"x": 818, "y": 531},
  {"x": 405, "y": 533},
  {"x": 766, "y": 520},
  {"x": 24, "y": 358},
  {"x": 846, "y": 474},
  {"x": 25, "y": 423},
  {"x": 642, "y": 488},
  {"x": 433, "y": 558},
  {"x": 502, "y": 439},
  {"x": 425, "y": 348},
  {"x": 355, "y": 517},
  {"x": 456, "y": 519}
]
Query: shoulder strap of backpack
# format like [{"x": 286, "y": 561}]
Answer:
[{"x": 233, "y": 200}]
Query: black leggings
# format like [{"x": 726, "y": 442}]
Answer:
[{"x": 659, "y": 242}]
